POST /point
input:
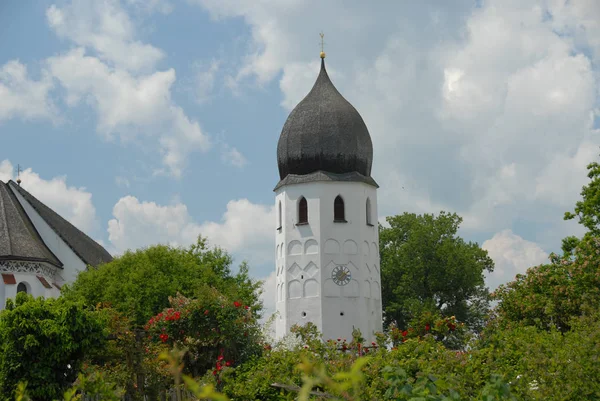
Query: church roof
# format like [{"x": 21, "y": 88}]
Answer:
[
  {"x": 326, "y": 133},
  {"x": 86, "y": 248},
  {"x": 19, "y": 240}
]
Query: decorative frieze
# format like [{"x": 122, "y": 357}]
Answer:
[{"x": 21, "y": 266}]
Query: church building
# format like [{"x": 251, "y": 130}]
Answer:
[
  {"x": 326, "y": 203},
  {"x": 39, "y": 250}
]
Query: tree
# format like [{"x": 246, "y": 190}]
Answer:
[
  {"x": 586, "y": 210},
  {"x": 551, "y": 295},
  {"x": 426, "y": 267},
  {"x": 138, "y": 284},
  {"x": 44, "y": 342}
]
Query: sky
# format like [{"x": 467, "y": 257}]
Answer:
[{"x": 155, "y": 121}]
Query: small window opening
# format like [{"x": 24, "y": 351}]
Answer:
[
  {"x": 22, "y": 288},
  {"x": 368, "y": 210},
  {"x": 341, "y": 313},
  {"x": 279, "y": 217},
  {"x": 338, "y": 209},
  {"x": 302, "y": 211},
  {"x": 301, "y": 277},
  {"x": 303, "y": 314}
]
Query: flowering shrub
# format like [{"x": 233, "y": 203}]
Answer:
[
  {"x": 445, "y": 329},
  {"x": 216, "y": 331},
  {"x": 551, "y": 295}
]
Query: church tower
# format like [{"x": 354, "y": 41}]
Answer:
[{"x": 326, "y": 203}]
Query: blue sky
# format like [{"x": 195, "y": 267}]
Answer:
[{"x": 155, "y": 121}]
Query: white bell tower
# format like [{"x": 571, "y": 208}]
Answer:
[{"x": 327, "y": 240}]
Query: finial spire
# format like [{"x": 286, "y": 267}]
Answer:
[
  {"x": 322, "y": 45},
  {"x": 19, "y": 174}
]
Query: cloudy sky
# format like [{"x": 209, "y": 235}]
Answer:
[{"x": 153, "y": 121}]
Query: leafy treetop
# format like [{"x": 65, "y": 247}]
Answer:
[
  {"x": 426, "y": 266},
  {"x": 139, "y": 284}
]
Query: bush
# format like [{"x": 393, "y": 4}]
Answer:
[{"x": 44, "y": 342}]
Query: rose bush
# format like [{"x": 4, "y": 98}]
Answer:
[{"x": 217, "y": 332}]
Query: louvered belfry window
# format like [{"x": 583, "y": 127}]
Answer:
[
  {"x": 302, "y": 211},
  {"x": 338, "y": 209}
]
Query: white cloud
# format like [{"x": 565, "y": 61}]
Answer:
[
  {"x": 268, "y": 295},
  {"x": 231, "y": 155},
  {"x": 21, "y": 96},
  {"x": 243, "y": 230},
  {"x": 122, "y": 181},
  {"x": 130, "y": 106},
  {"x": 115, "y": 73},
  {"x": 106, "y": 27},
  {"x": 512, "y": 255},
  {"x": 204, "y": 80},
  {"x": 72, "y": 203},
  {"x": 6, "y": 170}
]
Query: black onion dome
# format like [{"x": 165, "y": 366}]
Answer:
[{"x": 324, "y": 132}]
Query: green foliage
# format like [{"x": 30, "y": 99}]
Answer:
[
  {"x": 587, "y": 210},
  {"x": 427, "y": 268},
  {"x": 550, "y": 295},
  {"x": 417, "y": 367},
  {"x": 545, "y": 364},
  {"x": 216, "y": 331},
  {"x": 44, "y": 343},
  {"x": 138, "y": 284},
  {"x": 426, "y": 387}
]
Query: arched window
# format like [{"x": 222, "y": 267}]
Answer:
[
  {"x": 338, "y": 209},
  {"x": 368, "y": 209},
  {"x": 279, "y": 218},
  {"x": 302, "y": 211},
  {"x": 21, "y": 288}
]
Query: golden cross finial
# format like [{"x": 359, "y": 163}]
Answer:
[{"x": 322, "y": 45}]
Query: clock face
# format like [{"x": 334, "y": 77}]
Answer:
[{"x": 341, "y": 275}]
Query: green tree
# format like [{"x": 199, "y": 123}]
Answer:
[
  {"x": 427, "y": 268},
  {"x": 138, "y": 284},
  {"x": 550, "y": 295},
  {"x": 44, "y": 342},
  {"x": 587, "y": 210}
]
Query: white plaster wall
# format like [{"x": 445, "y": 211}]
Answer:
[
  {"x": 310, "y": 252},
  {"x": 34, "y": 287},
  {"x": 72, "y": 264}
]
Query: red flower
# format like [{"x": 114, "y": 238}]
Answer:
[
  {"x": 246, "y": 307},
  {"x": 228, "y": 363},
  {"x": 427, "y": 327},
  {"x": 206, "y": 312},
  {"x": 237, "y": 304},
  {"x": 220, "y": 357},
  {"x": 214, "y": 372},
  {"x": 164, "y": 337},
  {"x": 373, "y": 344},
  {"x": 339, "y": 339},
  {"x": 404, "y": 333}
]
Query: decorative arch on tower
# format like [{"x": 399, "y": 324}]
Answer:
[
  {"x": 368, "y": 212},
  {"x": 339, "y": 209},
  {"x": 302, "y": 211}
]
